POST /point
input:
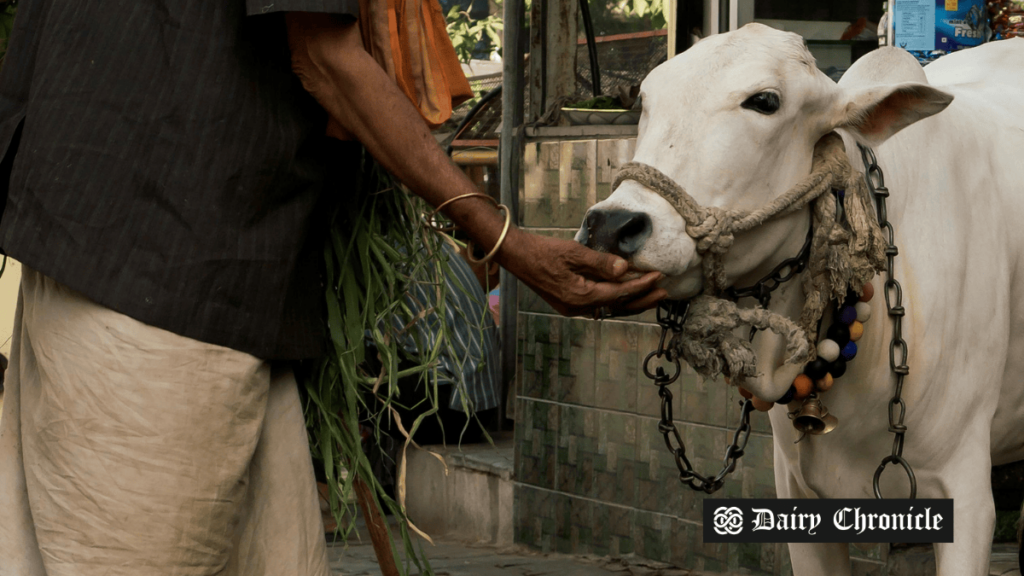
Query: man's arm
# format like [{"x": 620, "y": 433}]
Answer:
[{"x": 362, "y": 100}]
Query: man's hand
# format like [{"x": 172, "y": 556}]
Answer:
[
  {"x": 576, "y": 280},
  {"x": 362, "y": 100}
]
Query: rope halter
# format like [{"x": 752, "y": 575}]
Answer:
[{"x": 847, "y": 248}]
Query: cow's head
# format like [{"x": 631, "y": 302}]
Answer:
[{"x": 734, "y": 121}]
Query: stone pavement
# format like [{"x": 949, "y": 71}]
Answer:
[
  {"x": 1004, "y": 560},
  {"x": 455, "y": 559},
  {"x": 450, "y": 558}
]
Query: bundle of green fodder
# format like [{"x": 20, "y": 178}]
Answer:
[{"x": 378, "y": 245}]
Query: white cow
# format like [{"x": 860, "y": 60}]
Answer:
[{"x": 956, "y": 175}]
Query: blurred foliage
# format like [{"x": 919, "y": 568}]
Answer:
[
  {"x": 599, "y": 103},
  {"x": 651, "y": 10},
  {"x": 481, "y": 37},
  {"x": 623, "y": 16},
  {"x": 7, "y": 10},
  {"x": 1006, "y": 526},
  {"x": 467, "y": 33}
]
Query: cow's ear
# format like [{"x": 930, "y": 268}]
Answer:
[{"x": 874, "y": 114}]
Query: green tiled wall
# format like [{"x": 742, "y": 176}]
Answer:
[{"x": 593, "y": 473}]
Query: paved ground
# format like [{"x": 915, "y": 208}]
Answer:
[
  {"x": 1004, "y": 561},
  {"x": 458, "y": 559},
  {"x": 453, "y": 559},
  {"x": 449, "y": 558}
]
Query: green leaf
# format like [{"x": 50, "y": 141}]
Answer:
[
  {"x": 376, "y": 249},
  {"x": 640, "y": 8}
]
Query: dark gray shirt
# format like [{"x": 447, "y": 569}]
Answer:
[{"x": 162, "y": 158}]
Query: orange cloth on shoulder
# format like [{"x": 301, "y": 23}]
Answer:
[{"x": 409, "y": 39}]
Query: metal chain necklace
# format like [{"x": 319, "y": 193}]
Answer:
[
  {"x": 894, "y": 305},
  {"x": 671, "y": 315}
]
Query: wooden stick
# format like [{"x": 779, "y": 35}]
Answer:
[{"x": 378, "y": 528}]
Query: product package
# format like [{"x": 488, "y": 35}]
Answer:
[{"x": 929, "y": 29}]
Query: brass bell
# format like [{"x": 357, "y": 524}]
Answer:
[{"x": 813, "y": 418}]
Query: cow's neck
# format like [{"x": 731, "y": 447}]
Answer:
[
  {"x": 865, "y": 383},
  {"x": 770, "y": 348},
  {"x": 793, "y": 228}
]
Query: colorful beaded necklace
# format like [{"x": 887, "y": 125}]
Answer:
[{"x": 837, "y": 348}]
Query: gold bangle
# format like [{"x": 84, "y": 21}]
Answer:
[
  {"x": 497, "y": 245},
  {"x": 433, "y": 215},
  {"x": 469, "y": 247}
]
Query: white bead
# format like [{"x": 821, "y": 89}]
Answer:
[
  {"x": 863, "y": 311},
  {"x": 828, "y": 350}
]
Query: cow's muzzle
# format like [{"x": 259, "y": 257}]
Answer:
[{"x": 620, "y": 232}]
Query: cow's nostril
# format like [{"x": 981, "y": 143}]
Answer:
[{"x": 620, "y": 232}]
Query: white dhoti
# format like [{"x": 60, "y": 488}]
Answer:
[{"x": 128, "y": 450}]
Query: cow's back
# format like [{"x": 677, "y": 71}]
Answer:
[
  {"x": 987, "y": 116},
  {"x": 988, "y": 81},
  {"x": 999, "y": 62},
  {"x": 992, "y": 73}
]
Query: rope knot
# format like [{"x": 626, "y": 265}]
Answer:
[
  {"x": 709, "y": 344},
  {"x": 714, "y": 233}
]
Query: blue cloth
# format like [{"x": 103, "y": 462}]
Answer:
[{"x": 471, "y": 365}]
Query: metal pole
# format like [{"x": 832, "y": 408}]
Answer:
[
  {"x": 510, "y": 152},
  {"x": 588, "y": 26}
]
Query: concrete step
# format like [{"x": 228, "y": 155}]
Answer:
[
  {"x": 463, "y": 492},
  {"x": 919, "y": 560},
  {"x": 1005, "y": 558}
]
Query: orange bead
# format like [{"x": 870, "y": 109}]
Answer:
[
  {"x": 728, "y": 382},
  {"x": 804, "y": 386},
  {"x": 867, "y": 292},
  {"x": 761, "y": 405},
  {"x": 745, "y": 393},
  {"x": 824, "y": 384},
  {"x": 856, "y": 330}
]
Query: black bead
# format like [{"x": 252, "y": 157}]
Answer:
[
  {"x": 838, "y": 368},
  {"x": 840, "y": 333},
  {"x": 788, "y": 396},
  {"x": 851, "y": 298},
  {"x": 816, "y": 369}
]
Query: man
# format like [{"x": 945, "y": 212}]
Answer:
[{"x": 164, "y": 161}]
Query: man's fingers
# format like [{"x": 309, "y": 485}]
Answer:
[
  {"x": 599, "y": 264},
  {"x": 640, "y": 285},
  {"x": 647, "y": 296},
  {"x": 614, "y": 293}
]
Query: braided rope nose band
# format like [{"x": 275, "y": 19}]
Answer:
[
  {"x": 713, "y": 229},
  {"x": 847, "y": 248}
]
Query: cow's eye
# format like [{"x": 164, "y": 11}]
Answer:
[{"x": 763, "y": 102}]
